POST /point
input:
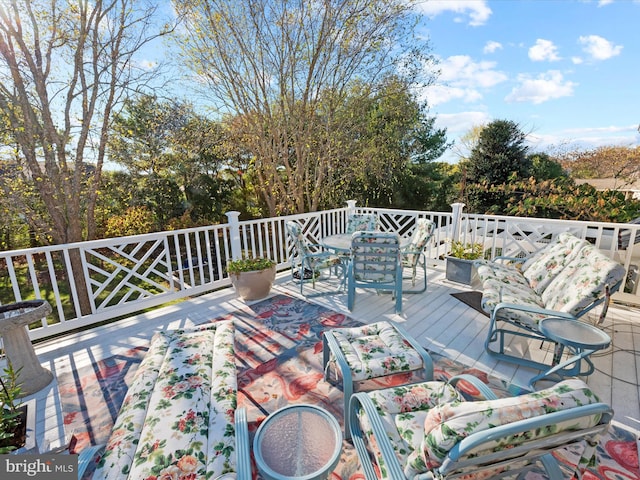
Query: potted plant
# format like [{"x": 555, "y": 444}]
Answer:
[
  {"x": 459, "y": 262},
  {"x": 17, "y": 420},
  {"x": 252, "y": 277}
]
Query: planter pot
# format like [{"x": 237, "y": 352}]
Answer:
[
  {"x": 28, "y": 419},
  {"x": 460, "y": 270},
  {"x": 254, "y": 285}
]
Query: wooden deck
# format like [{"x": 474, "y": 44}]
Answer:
[{"x": 440, "y": 322}]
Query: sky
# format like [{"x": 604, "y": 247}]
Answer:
[{"x": 566, "y": 71}]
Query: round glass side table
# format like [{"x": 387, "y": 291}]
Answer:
[
  {"x": 582, "y": 339},
  {"x": 301, "y": 442}
]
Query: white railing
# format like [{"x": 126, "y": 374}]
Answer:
[{"x": 129, "y": 274}]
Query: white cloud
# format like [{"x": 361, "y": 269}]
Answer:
[
  {"x": 599, "y": 48},
  {"x": 577, "y": 60},
  {"x": 492, "y": 46},
  {"x": 585, "y": 138},
  {"x": 600, "y": 131},
  {"x": 545, "y": 87},
  {"x": 462, "y": 79},
  {"x": 602, "y": 3},
  {"x": 461, "y": 70},
  {"x": 148, "y": 64},
  {"x": 544, "y": 50},
  {"x": 477, "y": 10},
  {"x": 439, "y": 94}
]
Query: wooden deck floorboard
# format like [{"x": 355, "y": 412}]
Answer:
[{"x": 437, "y": 320}]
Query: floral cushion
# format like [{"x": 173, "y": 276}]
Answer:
[
  {"x": 447, "y": 424},
  {"x": 305, "y": 258},
  {"x": 361, "y": 222},
  {"x": 546, "y": 264},
  {"x": 376, "y": 350},
  {"x": 177, "y": 420},
  {"x": 403, "y": 410},
  {"x": 375, "y": 257},
  {"x": 495, "y": 292},
  {"x": 582, "y": 281},
  {"x": 505, "y": 273},
  {"x": 421, "y": 235}
]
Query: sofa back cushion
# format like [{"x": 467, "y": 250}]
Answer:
[
  {"x": 582, "y": 281},
  {"x": 545, "y": 265},
  {"x": 448, "y": 424}
]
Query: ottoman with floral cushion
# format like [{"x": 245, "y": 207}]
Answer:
[
  {"x": 177, "y": 419},
  {"x": 428, "y": 430},
  {"x": 372, "y": 351}
]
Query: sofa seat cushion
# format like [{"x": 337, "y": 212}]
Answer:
[
  {"x": 376, "y": 350},
  {"x": 495, "y": 292},
  {"x": 448, "y": 424},
  {"x": 544, "y": 266},
  {"x": 582, "y": 281},
  {"x": 177, "y": 419}
]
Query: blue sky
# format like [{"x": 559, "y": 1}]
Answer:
[{"x": 567, "y": 71}]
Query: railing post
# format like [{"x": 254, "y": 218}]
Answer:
[
  {"x": 456, "y": 214},
  {"x": 234, "y": 234},
  {"x": 351, "y": 207}
]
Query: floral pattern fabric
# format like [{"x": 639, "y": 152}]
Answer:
[
  {"x": 177, "y": 420},
  {"x": 359, "y": 222},
  {"x": 448, "y": 424},
  {"x": 421, "y": 235},
  {"x": 375, "y": 257},
  {"x": 566, "y": 276},
  {"x": 279, "y": 351},
  {"x": 425, "y": 421},
  {"x": 545, "y": 265},
  {"x": 305, "y": 259},
  {"x": 375, "y": 350}
]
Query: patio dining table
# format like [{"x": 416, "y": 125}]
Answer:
[{"x": 341, "y": 242}]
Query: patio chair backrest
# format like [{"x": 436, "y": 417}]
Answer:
[
  {"x": 299, "y": 241},
  {"x": 421, "y": 235},
  {"x": 375, "y": 257},
  {"x": 357, "y": 222}
]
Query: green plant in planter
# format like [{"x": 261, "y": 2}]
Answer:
[
  {"x": 249, "y": 265},
  {"x": 10, "y": 413},
  {"x": 466, "y": 251}
]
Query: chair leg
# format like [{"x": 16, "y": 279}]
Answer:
[
  {"x": 351, "y": 294},
  {"x": 423, "y": 262},
  {"x": 325, "y": 355},
  {"x": 347, "y": 390},
  {"x": 398, "y": 292},
  {"x": 330, "y": 346}
]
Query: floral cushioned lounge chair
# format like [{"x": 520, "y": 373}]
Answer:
[
  {"x": 427, "y": 430},
  {"x": 565, "y": 279},
  {"x": 179, "y": 417}
]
